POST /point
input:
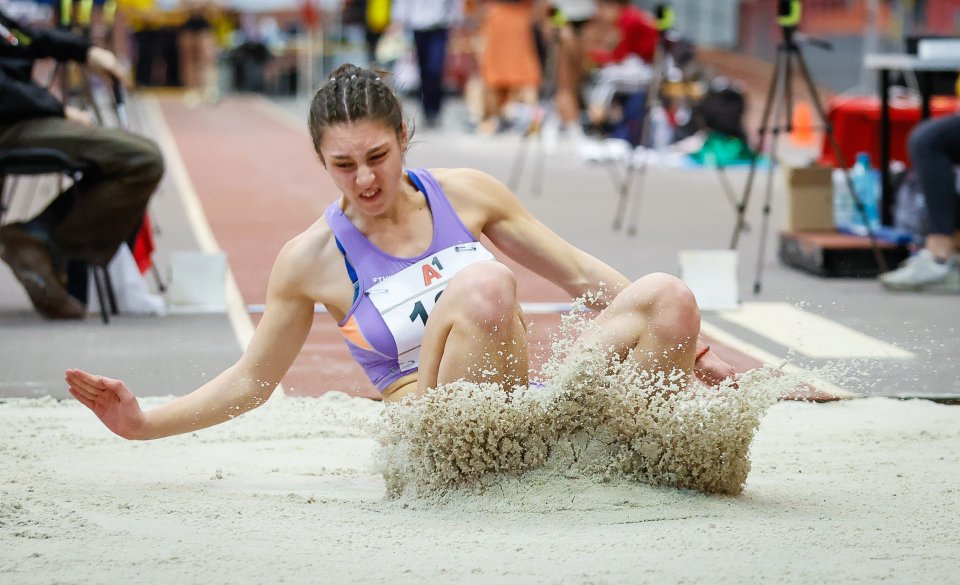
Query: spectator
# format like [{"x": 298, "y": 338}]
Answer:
[
  {"x": 509, "y": 64},
  {"x": 198, "y": 53},
  {"x": 571, "y": 18},
  {"x": 376, "y": 21},
  {"x": 125, "y": 169},
  {"x": 624, "y": 67},
  {"x": 155, "y": 30},
  {"x": 934, "y": 149},
  {"x": 430, "y": 21}
]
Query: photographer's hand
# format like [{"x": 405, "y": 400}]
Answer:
[
  {"x": 104, "y": 62},
  {"x": 77, "y": 115}
]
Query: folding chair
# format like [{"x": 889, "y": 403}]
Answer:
[{"x": 20, "y": 162}]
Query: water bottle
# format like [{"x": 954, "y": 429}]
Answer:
[
  {"x": 843, "y": 208},
  {"x": 866, "y": 183},
  {"x": 660, "y": 132}
]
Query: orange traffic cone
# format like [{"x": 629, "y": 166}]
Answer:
[{"x": 802, "y": 134}]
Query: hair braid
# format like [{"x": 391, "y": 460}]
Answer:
[{"x": 350, "y": 95}]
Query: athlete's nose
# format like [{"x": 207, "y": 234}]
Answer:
[{"x": 364, "y": 177}]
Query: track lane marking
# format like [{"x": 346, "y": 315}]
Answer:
[
  {"x": 769, "y": 359},
  {"x": 240, "y": 320},
  {"x": 810, "y": 334}
]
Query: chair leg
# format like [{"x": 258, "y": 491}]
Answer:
[
  {"x": 8, "y": 185},
  {"x": 111, "y": 294},
  {"x": 157, "y": 278},
  {"x": 101, "y": 293}
]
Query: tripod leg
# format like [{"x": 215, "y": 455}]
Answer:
[
  {"x": 650, "y": 101},
  {"x": 768, "y": 196},
  {"x": 730, "y": 193},
  {"x": 539, "y": 164},
  {"x": 765, "y": 222},
  {"x": 641, "y": 181},
  {"x": 622, "y": 201},
  {"x": 788, "y": 87},
  {"x": 518, "y": 163},
  {"x": 624, "y": 192},
  {"x": 835, "y": 147},
  {"x": 764, "y": 120}
]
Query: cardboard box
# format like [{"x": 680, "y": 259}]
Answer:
[{"x": 810, "y": 199}]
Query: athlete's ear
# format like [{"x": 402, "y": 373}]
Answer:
[{"x": 402, "y": 137}]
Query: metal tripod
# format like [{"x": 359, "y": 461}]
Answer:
[
  {"x": 779, "y": 101},
  {"x": 662, "y": 63}
]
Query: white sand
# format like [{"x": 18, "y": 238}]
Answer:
[{"x": 852, "y": 492}]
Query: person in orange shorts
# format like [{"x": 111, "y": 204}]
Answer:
[{"x": 509, "y": 64}]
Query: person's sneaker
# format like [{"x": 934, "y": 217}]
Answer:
[
  {"x": 922, "y": 273},
  {"x": 30, "y": 261}
]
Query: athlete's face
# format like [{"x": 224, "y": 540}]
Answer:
[{"x": 365, "y": 159}]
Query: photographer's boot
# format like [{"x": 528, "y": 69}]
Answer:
[{"x": 31, "y": 263}]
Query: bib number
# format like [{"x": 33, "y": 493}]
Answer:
[{"x": 406, "y": 298}]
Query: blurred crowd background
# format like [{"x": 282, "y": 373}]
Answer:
[{"x": 283, "y": 46}]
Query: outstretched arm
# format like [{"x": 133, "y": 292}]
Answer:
[
  {"x": 520, "y": 235},
  {"x": 241, "y": 387}
]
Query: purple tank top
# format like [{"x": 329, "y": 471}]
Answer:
[{"x": 368, "y": 336}]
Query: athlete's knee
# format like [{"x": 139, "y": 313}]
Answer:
[
  {"x": 486, "y": 293},
  {"x": 668, "y": 303}
]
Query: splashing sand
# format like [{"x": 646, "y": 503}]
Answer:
[{"x": 590, "y": 417}]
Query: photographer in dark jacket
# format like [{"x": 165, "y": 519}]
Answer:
[{"x": 125, "y": 169}]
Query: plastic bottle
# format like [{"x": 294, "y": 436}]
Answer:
[
  {"x": 843, "y": 208},
  {"x": 866, "y": 182},
  {"x": 660, "y": 131}
]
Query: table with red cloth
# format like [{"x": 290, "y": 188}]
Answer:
[{"x": 856, "y": 126}]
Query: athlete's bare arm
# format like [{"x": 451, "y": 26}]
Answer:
[
  {"x": 486, "y": 204},
  {"x": 293, "y": 289}
]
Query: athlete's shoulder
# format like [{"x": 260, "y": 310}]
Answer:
[
  {"x": 462, "y": 176},
  {"x": 467, "y": 184},
  {"x": 308, "y": 253}
]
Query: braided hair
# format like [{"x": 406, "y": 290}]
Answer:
[{"x": 350, "y": 95}]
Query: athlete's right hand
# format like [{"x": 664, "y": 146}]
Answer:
[{"x": 110, "y": 400}]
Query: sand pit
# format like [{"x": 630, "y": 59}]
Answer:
[{"x": 858, "y": 491}]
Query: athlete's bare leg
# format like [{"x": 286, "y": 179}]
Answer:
[
  {"x": 657, "y": 318},
  {"x": 476, "y": 331}
]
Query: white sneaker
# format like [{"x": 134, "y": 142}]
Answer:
[{"x": 922, "y": 273}]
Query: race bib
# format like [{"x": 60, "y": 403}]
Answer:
[{"x": 406, "y": 298}]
